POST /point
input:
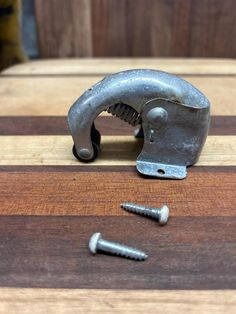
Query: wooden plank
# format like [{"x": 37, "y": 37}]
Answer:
[
  {"x": 222, "y": 125},
  {"x": 204, "y": 26},
  {"x": 65, "y": 192},
  {"x": 116, "y": 151},
  {"x": 53, "y": 97},
  {"x": 71, "y": 301},
  {"x": 65, "y": 27},
  {"x": 62, "y": 205},
  {"x": 130, "y": 169},
  {"x": 107, "y": 125},
  {"x": 136, "y": 28},
  {"x": 51, "y": 252},
  {"x": 104, "y": 66}
]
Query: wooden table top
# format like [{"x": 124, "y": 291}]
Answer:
[{"x": 50, "y": 203}]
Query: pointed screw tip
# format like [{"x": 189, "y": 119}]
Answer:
[{"x": 126, "y": 204}]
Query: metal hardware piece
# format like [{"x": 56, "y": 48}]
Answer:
[
  {"x": 161, "y": 214},
  {"x": 97, "y": 243},
  {"x": 173, "y": 116}
]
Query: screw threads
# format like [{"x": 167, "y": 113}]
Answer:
[
  {"x": 139, "y": 209},
  {"x": 122, "y": 250},
  {"x": 97, "y": 243}
]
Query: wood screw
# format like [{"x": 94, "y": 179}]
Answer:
[
  {"x": 97, "y": 243},
  {"x": 161, "y": 214}
]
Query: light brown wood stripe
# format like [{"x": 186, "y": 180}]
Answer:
[
  {"x": 116, "y": 151},
  {"x": 54, "y": 96},
  {"x": 103, "y": 66},
  {"x": 41, "y": 301},
  {"x": 99, "y": 193}
]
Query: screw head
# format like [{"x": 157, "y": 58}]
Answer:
[
  {"x": 164, "y": 215},
  {"x": 94, "y": 241}
]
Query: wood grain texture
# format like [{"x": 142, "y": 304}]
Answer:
[
  {"x": 205, "y": 169},
  {"x": 52, "y": 192},
  {"x": 47, "y": 96},
  {"x": 48, "y": 210},
  {"x": 51, "y": 252},
  {"x": 186, "y": 28},
  {"x": 55, "y": 150},
  {"x": 64, "y": 27},
  {"x": 104, "y": 66},
  {"x": 72, "y": 301},
  {"x": 107, "y": 125}
]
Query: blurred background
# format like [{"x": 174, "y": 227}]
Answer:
[{"x": 116, "y": 28}]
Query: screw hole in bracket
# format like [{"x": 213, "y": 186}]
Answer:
[{"x": 161, "y": 171}]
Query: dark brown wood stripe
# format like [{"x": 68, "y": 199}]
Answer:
[
  {"x": 82, "y": 169},
  {"x": 188, "y": 253},
  {"x": 221, "y": 125},
  {"x": 40, "y": 125},
  {"x": 108, "y": 125},
  {"x": 132, "y": 169},
  {"x": 101, "y": 193}
]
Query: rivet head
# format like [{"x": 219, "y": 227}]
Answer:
[{"x": 157, "y": 115}]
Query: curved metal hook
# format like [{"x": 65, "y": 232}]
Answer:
[{"x": 145, "y": 91}]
